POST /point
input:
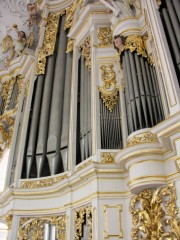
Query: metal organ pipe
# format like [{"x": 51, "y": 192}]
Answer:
[{"x": 55, "y": 123}]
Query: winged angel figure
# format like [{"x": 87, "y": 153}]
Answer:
[{"x": 15, "y": 47}]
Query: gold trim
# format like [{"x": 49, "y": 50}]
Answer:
[
  {"x": 105, "y": 37},
  {"x": 107, "y": 157}
]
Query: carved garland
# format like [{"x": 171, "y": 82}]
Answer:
[
  {"x": 49, "y": 41},
  {"x": 155, "y": 215},
  {"x": 33, "y": 228},
  {"x": 109, "y": 92},
  {"x": 82, "y": 216}
]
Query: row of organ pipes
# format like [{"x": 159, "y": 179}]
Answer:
[{"x": 48, "y": 132}]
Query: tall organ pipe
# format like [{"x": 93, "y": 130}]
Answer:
[
  {"x": 55, "y": 124},
  {"x": 82, "y": 96},
  {"x": 66, "y": 110},
  {"x": 31, "y": 150}
]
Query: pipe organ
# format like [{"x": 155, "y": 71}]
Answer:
[{"x": 89, "y": 123}]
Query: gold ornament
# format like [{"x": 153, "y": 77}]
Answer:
[
  {"x": 155, "y": 215},
  {"x": 109, "y": 92},
  {"x": 9, "y": 219},
  {"x": 146, "y": 137},
  {"x": 107, "y": 158},
  {"x": 105, "y": 36},
  {"x": 136, "y": 43},
  {"x": 33, "y": 228},
  {"x": 70, "y": 45},
  {"x": 48, "y": 43},
  {"x": 86, "y": 51},
  {"x": 82, "y": 216},
  {"x": 42, "y": 183},
  {"x": 70, "y": 13}
]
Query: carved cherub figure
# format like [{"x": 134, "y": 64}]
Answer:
[
  {"x": 32, "y": 10},
  {"x": 119, "y": 42},
  {"x": 16, "y": 46}
]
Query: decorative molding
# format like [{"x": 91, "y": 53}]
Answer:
[
  {"x": 84, "y": 165},
  {"x": 155, "y": 215},
  {"x": 107, "y": 235},
  {"x": 85, "y": 48},
  {"x": 33, "y": 228},
  {"x": 105, "y": 37},
  {"x": 49, "y": 42},
  {"x": 83, "y": 216},
  {"x": 107, "y": 158},
  {"x": 42, "y": 183},
  {"x": 146, "y": 137},
  {"x": 109, "y": 92}
]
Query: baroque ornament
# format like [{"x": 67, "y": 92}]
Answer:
[
  {"x": 70, "y": 45},
  {"x": 132, "y": 43},
  {"x": 33, "y": 228},
  {"x": 42, "y": 183},
  {"x": 155, "y": 215},
  {"x": 86, "y": 51},
  {"x": 105, "y": 37},
  {"x": 109, "y": 92},
  {"x": 48, "y": 43},
  {"x": 9, "y": 219},
  {"x": 83, "y": 216},
  {"x": 146, "y": 137},
  {"x": 107, "y": 158}
]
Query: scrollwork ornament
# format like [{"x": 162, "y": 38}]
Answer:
[
  {"x": 107, "y": 158},
  {"x": 155, "y": 215},
  {"x": 136, "y": 43},
  {"x": 70, "y": 45}
]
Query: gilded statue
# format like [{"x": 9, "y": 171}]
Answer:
[{"x": 16, "y": 46}]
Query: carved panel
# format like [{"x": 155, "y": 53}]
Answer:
[
  {"x": 104, "y": 36},
  {"x": 155, "y": 215}
]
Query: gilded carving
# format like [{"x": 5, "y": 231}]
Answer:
[
  {"x": 132, "y": 43},
  {"x": 109, "y": 92},
  {"x": 42, "y": 183},
  {"x": 86, "y": 51},
  {"x": 33, "y": 228},
  {"x": 105, "y": 36},
  {"x": 9, "y": 219},
  {"x": 70, "y": 11},
  {"x": 82, "y": 216},
  {"x": 48, "y": 43},
  {"x": 85, "y": 164},
  {"x": 155, "y": 215},
  {"x": 70, "y": 45},
  {"x": 146, "y": 137},
  {"x": 107, "y": 158}
]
